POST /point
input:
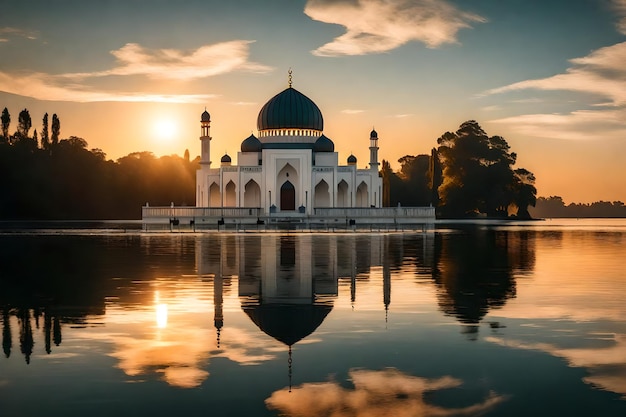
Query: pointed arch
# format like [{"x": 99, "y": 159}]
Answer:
[
  {"x": 287, "y": 196},
  {"x": 362, "y": 195},
  {"x": 214, "y": 195},
  {"x": 230, "y": 194},
  {"x": 321, "y": 196},
  {"x": 343, "y": 199},
  {"x": 252, "y": 194}
]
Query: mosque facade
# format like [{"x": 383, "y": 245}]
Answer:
[{"x": 290, "y": 167}]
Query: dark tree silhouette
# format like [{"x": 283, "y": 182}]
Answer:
[
  {"x": 24, "y": 123},
  {"x": 6, "y": 122},
  {"x": 477, "y": 174},
  {"x": 56, "y": 130},
  {"x": 45, "y": 134}
]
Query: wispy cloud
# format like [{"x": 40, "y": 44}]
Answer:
[
  {"x": 135, "y": 60},
  {"x": 375, "y": 26},
  {"x": 8, "y": 32},
  {"x": 42, "y": 86},
  {"x": 352, "y": 111},
  {"x": 206, "y": 61},
  {"x": 601, "y": 73},
  {"x": 576, "y": 125},
  {"x": 401, "y": 116},
  {"x": 620, "y": 9}
]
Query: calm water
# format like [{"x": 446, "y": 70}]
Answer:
[{"x": 493, "y": 319}]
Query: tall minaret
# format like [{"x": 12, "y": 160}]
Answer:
[
  {"x": 374, "y": 150},
  {"x": 205, "y": 138}
]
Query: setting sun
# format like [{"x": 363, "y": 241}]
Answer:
[{"x": 165, "y": 129}]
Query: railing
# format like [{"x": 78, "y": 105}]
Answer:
[
  {"x": 198, "y": 212},
  {"x": 371, "y": 212}
]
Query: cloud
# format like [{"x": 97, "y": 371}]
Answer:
[
  {"x": 7, "y": 32},
  {"x": 620, "y": 9},
  {"x": 135, "y": 60},
  {"x": 374, "y": 26},
  {"x": 352, "y": 111},
  {"x": 576, "y": 125},
  {"x": 206, "y": 61},
  {"x": 601, "y": 73},
  {"x": 606, "y": 365},
  {"x": 386, "y": 392}
]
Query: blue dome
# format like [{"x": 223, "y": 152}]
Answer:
[
  {"x": 226, "y": 158},
  {"x": 206, "y": 117},
  {"x": 351, "y": 159},
  {"x": 374, "y": 134},
  {"x": 251, "y": 144},
  {"x": 290, "y": 109},
  {"x": 324, "y": 144}
]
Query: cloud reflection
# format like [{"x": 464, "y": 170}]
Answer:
[
  {"x": 375, "y": 393},
  {"x": 606, "y": 365}
]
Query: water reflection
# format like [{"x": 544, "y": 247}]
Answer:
[
  {"x": 366, "y": 317},
  {"x": 374, "y": 393},
  {"x": 475, "y": 272}
]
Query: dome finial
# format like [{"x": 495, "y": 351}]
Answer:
[{"x": 290, "y": 72}]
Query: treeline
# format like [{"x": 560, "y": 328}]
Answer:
[
  {"x": 554, "y": 206},
  {"x": 470, "y": 174},
  {"x": 45, "y": 177}
]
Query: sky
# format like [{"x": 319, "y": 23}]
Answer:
[{"x": 135, "y": 75}]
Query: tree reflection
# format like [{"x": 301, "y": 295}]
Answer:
[{"x": 475, "y": 271}]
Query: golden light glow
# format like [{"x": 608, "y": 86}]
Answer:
[
  {"x": 161, "y": 316},
  {"x": 165, "y": 129}
]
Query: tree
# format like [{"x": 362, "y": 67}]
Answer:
[
  {"x": 6, "y": 121},
  {"x": 477, "y": 173},
  {"x": 56, "y": 130},
  {"x": 386, "y": 173},
  {"x": 24, "y": 123},
  {"x": 45, "y": 134},
  {"x": 525, "y": 193}
]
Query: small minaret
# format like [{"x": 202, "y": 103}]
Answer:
[
  {"x": 205, "y": 138},
  {"x": 218, "y": 300},
  {"x": 374, "y": 151}
]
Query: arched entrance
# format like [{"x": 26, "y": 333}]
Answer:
[
  {"x": 362, "y": 196},
  {"x": 287, "y": 196},
  {"x": 342, "y": 194},
  {"x": 214, "y": 195},
  {"x": 322, "y": 196},
  {"x": 230, "y": 195},
  {"x": 252, "y": 194}
]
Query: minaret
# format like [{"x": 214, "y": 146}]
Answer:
[
  {"x": 205, "y": 138},
  {"x": 374, "y": 151},
  {"x": 218, "y": 300}
]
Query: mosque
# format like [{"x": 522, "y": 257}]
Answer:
[
  {"x": 291, "y": 167},
  {"x": 288, "y": 174}
]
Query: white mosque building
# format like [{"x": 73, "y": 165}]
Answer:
[
  {"x": 288, "y": 173},
  {"x": 291, "y": 167}
]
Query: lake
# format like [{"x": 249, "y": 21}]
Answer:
[{"x": 475, "y": 318}]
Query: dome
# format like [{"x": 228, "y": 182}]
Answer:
[
  {"x": 290, "y": 109},
  {"x": 374, "y": 134},
  {"x": 226, "y": 159},
  {"x": 251, "y": 144},
  {"x": 288, "y": 323},
  {"x": 206, "y": 117},
  {"x": 352, "y": 160},
  {"x": 324, "y": 144}
]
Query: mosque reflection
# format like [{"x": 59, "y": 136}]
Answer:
[{"x": 287, "y": 284}]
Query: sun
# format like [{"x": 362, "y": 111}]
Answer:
[{"x": 165, "y": 129}]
